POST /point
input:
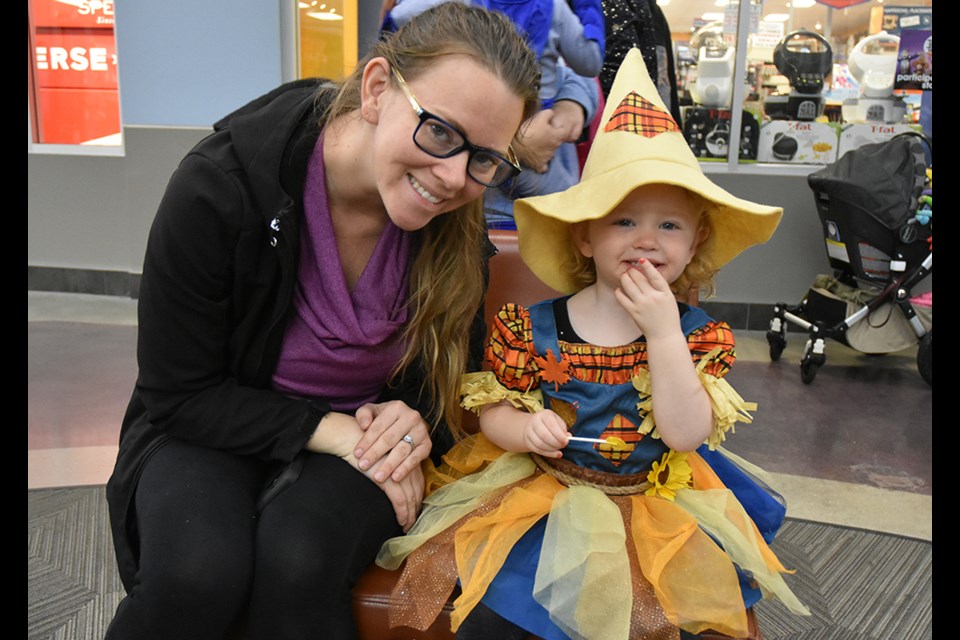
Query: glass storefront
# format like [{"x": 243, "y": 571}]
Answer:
[{"x": 819, "y": 76}]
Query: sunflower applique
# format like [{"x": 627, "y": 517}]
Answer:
[{"x": 672, "y": 473}]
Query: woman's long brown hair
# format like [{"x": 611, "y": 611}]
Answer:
[{"x": 447, "y": 274}]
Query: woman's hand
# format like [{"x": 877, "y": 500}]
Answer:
[
  {"x": 396, "y": 440},
  {"x": 338, "y": 434}
]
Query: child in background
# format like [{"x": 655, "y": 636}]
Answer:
[{"x": 596, "y": 502}]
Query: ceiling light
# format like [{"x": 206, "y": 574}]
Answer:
[
  {"x": 721, "y": 3},
  {"x": 324, "y": 15},
  {"x": 777, "y": 17},
  {"x": 712, "y": 17},
  {"x": 803, "y": 4}
]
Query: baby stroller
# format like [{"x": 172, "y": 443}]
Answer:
[{"x": 876, "y": 207}]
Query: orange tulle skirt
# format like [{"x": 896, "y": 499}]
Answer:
[{"x": 612, "y": 566}]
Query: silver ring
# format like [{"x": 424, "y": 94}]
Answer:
[{"x": 408, "y": 440}]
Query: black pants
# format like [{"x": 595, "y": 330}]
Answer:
[{"x": 208, "y": 560}]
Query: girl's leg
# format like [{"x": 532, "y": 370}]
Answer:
[
  {"x": 196, "y": 522},
  {"x": 313, "y": 542}
]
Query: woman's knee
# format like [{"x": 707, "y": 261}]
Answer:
[
  {"x": 201, "y": 573},
  {"x": 195, "y": 511},
  {"x": 329, "y": 524}
]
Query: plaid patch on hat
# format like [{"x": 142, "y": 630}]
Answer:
[{"x": 636, "y": 115}]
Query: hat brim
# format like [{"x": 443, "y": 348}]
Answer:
[{"x": 543, "y": 221}]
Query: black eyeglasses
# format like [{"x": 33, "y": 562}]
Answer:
[{"x": 440, "y": 139}]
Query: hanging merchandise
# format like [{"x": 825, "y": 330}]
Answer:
[{"x": 914, "y": 69}]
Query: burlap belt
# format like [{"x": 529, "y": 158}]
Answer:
[{"x": 571, "y": 474}]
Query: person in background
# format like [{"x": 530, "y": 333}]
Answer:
[
  {"x": 596, "y": 501},
  {"x": 310, "y": 297},
  {"x": 641, "y": 24},
  {"x": 569, "y": 39}
]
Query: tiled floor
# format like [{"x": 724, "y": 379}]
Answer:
[{"x": 854, "y": 447}]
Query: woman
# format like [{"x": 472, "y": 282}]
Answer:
[{"x": 305, "y": 308}]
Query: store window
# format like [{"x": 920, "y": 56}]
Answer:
[
  {"x": 819, "y": 76},
  {"x": 327, "y": 38},
  {"x": 72, "y": 90}
]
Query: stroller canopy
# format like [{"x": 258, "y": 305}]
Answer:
[{"x": 883, "y": 180}]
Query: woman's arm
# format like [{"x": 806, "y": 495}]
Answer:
[{"x": 209, "y": 285}]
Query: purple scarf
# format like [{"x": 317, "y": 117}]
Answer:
[{"x": 342, "y": 346}]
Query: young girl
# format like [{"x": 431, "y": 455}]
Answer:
[{"x": 594, "y": 503}]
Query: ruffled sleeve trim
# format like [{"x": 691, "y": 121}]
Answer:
[
  {"x": 728, "y": 406},
  {"x": 481, "y": 388}
]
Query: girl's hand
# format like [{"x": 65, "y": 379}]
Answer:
[
  {"x": 647, "y": 297},
  {"x": 396, "y": 440},
  {"x": 545, "y": 433}
]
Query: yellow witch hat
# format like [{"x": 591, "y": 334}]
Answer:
[{"x": 637, "y": 143}]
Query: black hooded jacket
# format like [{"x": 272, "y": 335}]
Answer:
[{"x": 217, "y": 285}]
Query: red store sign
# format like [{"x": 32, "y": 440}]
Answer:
[
  {"x": 73, "y": 14},
  {"x": 74, "y": 77}
]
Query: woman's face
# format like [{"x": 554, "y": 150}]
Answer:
[{"x": 414, "y": 186}]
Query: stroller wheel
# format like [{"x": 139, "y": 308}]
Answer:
[
  {"x": 925, "y": 357},
  {"x": 777, "y": 343},
  {"x": 809, "y": 365}
]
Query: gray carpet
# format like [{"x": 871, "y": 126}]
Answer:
[{"x": 859, "y": 585}]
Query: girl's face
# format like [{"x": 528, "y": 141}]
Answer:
[
  {"x": 657, "y": 222},
  {"x": 414, "y": 186}
]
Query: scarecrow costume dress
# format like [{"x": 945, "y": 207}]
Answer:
[{"x": 621, "y": 539}]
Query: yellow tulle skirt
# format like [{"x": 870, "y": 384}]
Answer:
[{"x": 611, "y": 566}]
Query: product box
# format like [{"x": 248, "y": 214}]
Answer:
[
  {"x": 857, "y": 135},
  {"x": 798, "y": 142},
  {"x": 707, "y": 131}
]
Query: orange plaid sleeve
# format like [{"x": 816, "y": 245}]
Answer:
[
  {"x": 703, "y": 340},
  {"x": 509, "y": 353}
]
